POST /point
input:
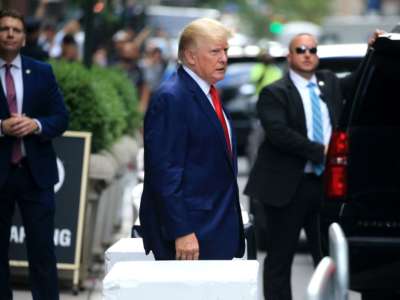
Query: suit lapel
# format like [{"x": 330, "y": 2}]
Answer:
[
  {"x": 27, "y": 85},
  {"x": 325, "y": 95},
  {"x": 5, "y": 112},
  {"x": 233, "y": 141},
  {"x": 295, "y": 96},
  {"x": 209, "y": 111},
  {"x": 212, "y": 116}
]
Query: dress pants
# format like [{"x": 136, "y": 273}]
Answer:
[
  {"x": 37, "y": 209},
  {"x": 283, "y": 230}
]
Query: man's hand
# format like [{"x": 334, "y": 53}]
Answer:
[
  {"x": 374, "y": 36},
  {"x": 18, "y": 125},
  {"x": 187, "y": 247}
]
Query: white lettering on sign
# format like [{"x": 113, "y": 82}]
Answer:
[
  {"x": 17, "y": 234},
  {"x": 62, "y": 237},
  {"x": 61, "y": 175}
]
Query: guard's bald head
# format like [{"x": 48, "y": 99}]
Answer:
[{"x": 298, "y": 36}]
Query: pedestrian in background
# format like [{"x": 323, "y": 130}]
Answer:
[
  {"x": 190, "y": 204},
  {"x": 32, "y": 113},
  {"x": 265, "y": 72},
  {"x": 32, "y": 47},
  {"x": 154, "y": 66},
  {"x": 69, "y": 49},
  {"x": 129, "y": 62}
]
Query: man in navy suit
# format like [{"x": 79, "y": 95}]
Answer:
[
  {"x": 190, "y": 204},
  {"x": 32, "y": 113}
]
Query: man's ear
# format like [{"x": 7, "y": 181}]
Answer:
[
  {"x": 190, "y": 56},
  {"x": 289, "y": 58}
]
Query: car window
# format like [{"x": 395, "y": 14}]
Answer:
[
  {"x": 237, "y": 73},
  {"x": 379, "y": 102},
  {"x": 341, "y": 66}
]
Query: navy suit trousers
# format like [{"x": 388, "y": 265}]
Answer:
[{"x": 37, "y": 214}]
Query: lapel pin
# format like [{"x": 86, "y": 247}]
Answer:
[
  {"x": 28, "y": 71},
  {"x": 321, "y": 83}
]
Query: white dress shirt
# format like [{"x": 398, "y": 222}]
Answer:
[
  {"x": 301, "y": 85},
  {"x": 205, "y": 87},
  {"x": 16, "y": 72}
]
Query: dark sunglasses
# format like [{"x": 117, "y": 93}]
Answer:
[{"x": 303, "y": 49}]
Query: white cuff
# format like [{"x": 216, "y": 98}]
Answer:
[{"x": 39, "y": 129}]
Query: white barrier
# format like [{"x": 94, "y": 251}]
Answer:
[
  {"x": 126, "y": 249},
  {"x": 182, "y": 280},
  {"x": 339, "y": 251},
  {"x": 322, "y": 283},
  {"x": 330, "y": 281}
]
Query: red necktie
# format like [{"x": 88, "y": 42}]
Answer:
[
  {"x": 12, "y": 105},
  {"x": 218, "y": 109}
]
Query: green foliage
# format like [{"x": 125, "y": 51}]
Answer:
[
  {"x": 127, "y": 94},
  {"x": 307, "y": 10},
  {"x": 259, "y": 15},
  {"x": 97, "y": 101}
]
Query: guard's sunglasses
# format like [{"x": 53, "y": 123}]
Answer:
[{"x": 303, "y": 49}]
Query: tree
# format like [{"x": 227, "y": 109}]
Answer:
[
  {"x": 306, "y": 10},
  {"x": 258, "y": 15}
]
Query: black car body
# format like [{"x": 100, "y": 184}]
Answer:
[{"x": 362, "y": 177}]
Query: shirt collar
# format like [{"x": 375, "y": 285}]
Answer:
[
  {"x": 204, "y": 85},
  {"x": 300, "y": 81},
  {"x": 17, "y": 62}
]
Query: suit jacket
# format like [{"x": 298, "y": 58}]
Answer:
[
  {"x": 286, "y": 148},
  {"x": 190, "y": 177},
  {"x": 43, "y": 101}
]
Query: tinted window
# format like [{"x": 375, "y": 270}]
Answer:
[
  {"x": 374, "y": 159},
  {"x": 341, "y": 66},
  {"x": 379, "y": 102}
]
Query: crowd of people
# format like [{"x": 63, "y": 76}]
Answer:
[{"x": 144, "y": 55}]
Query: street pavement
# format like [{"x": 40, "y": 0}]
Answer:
[{"x": 301, "y": 272}]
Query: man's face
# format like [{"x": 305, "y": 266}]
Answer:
[
  {"x": 12, "y": 35},
  {"x": 303, "y": 57},
  {"x": 209, "y": 60},
  {"x": 70, "y": 52}
]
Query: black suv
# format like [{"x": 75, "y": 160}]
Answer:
[{"x": 362, "y": 177}]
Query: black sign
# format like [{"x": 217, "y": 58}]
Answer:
[{"x": 72, "y": 160}]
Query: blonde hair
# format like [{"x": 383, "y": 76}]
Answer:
[{"x": 200, "y": 30}]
